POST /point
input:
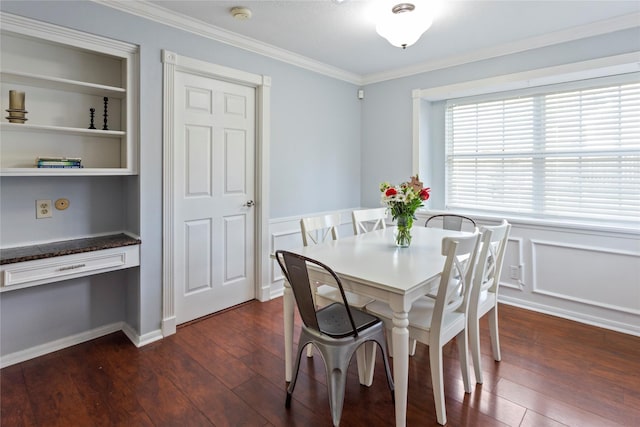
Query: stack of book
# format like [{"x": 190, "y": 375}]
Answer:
[{"x": 59, "y": 162}]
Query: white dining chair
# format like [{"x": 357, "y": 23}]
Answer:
[
  {"x": 366, "y": 220},
  {"x": 316, "y": 230},
  {"x": 484, "y": 294},
  {"x": 320, "y": 229},
  {"x": 435, "y": 322}
]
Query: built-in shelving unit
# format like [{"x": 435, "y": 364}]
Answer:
[{"x": 65, "y": 73}]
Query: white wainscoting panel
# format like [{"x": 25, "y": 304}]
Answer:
[{"x": 588, "y": 274}]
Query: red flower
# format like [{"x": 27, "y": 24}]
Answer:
[
  {"x": 424, "y": 193},
  {"x": 390, "y": 192}
]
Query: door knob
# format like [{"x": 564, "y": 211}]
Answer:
[{"x": 249, "y": 204}]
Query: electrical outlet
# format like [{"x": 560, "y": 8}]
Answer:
[
  {"x": 515, "y": 272},
  {"x": 43, "y": 209}
]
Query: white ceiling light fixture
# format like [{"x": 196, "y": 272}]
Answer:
[
  {"x": 405, "y": 24},
  {"x": 241, "y": 13}
]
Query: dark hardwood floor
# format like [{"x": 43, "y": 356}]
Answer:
[{"x": 228, "y": 370}]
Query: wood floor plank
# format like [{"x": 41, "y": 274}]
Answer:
[
  {"x": 54, "y": 397},
  {"x": 217, "y": 402},
  {"x": 215, "y": 358},
  {"x": 549, "y": 407},
  {"x": 533, "y": 419},
  {"x": 266, "y": 398},
  {"x": 15, "y": 405},
  {"x": 109, "y": 399}
]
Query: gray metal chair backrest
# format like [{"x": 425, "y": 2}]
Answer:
[
  {"x": 451, "y": 221},
  {"x": 294, "y": 268}
]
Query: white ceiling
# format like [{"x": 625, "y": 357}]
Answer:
[{"x": 342, "y": 34}]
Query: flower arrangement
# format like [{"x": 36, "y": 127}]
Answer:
[{"x": 403, "y": 201}]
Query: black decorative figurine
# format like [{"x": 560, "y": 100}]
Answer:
[
  {"x": 92, "y": 112},
  {"x": 106, "y": 100}
]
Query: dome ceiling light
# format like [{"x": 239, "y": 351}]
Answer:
[{"x": 405, "y": 24}]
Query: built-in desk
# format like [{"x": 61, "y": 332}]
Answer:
[{"x": 25, "y": 266}]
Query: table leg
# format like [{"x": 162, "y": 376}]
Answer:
[
  {"x": 400, "y": 340},
  {"x": 287, "y": 308}
]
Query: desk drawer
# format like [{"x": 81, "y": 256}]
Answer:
[{"x": 31, "y": 273}]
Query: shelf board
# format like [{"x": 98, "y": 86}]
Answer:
[
  {"x": 57, "y": 83},
  {"x": 33, "y": 171},
  {"x": 24, "y": 127}
]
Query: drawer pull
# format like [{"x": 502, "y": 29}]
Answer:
[{"x": 71, "y": 267}]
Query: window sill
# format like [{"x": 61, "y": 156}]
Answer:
[{"x": 610, "y": 228}]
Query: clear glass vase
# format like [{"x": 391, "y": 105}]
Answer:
[{"x": 402, "y": 233}]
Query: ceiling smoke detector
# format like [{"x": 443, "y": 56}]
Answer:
[{"x": 241, "y": 13}]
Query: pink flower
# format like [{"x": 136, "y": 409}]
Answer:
[{"x": 390, "y": 192}]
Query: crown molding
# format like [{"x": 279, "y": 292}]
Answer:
[
  {"x": 163, "y": 16},
  {"x": 619, "y": 23},
  {"x": 54, "y": 33}
]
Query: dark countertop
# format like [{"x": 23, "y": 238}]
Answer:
[{"x": 67, "y": 247}]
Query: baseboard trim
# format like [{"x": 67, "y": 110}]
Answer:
[
  {"x": 141, "y": 340},
  {"x": 50, "y": 347},
  {"x": 624, "y": 328}
]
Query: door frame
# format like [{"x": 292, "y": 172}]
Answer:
[{"x": 172, "y": 63}]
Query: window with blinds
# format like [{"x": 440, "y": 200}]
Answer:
[{"x": 561, "y": 154}]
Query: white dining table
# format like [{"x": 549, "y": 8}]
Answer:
[{"x": 370, "y": 264}]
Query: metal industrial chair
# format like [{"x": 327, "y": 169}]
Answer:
[
  {"x": 451, "y": 222},
  {"x": 435, "y": 322},
  {"x": 484, "y": 295},
  {"x": 336, "y": 330},
  {"x": 365, "y": 220}
]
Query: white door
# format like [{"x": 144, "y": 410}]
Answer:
[{"x": 213, "y": 185}]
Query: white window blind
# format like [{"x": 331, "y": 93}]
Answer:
[{"x": 563, "y": 154}]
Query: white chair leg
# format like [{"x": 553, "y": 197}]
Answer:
[
  {"x": 493, "y": 332},
  {"x": 463, "y": 354},
  {"x": 310, "y": 350},
  {"x": 412, "y": 347},
  {"x": 474, "y": 345},
  {"x": 437, "y": 381}
]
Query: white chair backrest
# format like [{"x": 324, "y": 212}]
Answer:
[
  {"x": 365, "y": 220},
  {"x": 457, "y": 276},
  {"x": 317, "y": 229},
  {"x": 494, "y": 244}
]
